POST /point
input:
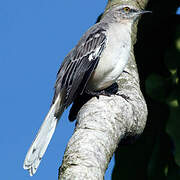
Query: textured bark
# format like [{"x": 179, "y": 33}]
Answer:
[{"x": 102, "y": 123}]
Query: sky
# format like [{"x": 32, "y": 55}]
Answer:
[
  {"x": 35, "y": 36},
  {"x": 178, "y": 11}
]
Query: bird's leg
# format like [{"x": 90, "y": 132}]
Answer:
[
  {"x": 113, "y": 89},
  {"x": 97, "y": 93}
]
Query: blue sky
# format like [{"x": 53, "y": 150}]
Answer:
[
  {"x": 35, "y": 36},
  {"x": 178, "y": 11}
]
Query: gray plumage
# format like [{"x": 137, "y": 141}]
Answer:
[
  {"x": 94, "y": 64},
  {"x": 78, "y": 66}
]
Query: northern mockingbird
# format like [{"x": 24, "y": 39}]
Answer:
[{"x": 94, "y": 64}]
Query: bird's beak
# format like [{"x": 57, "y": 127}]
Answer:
[{"x": 143, "y": 12}]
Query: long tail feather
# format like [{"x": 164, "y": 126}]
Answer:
[{"x": 43, "y": 137}]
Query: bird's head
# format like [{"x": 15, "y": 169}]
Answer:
[{"x": 124, "y": 12}]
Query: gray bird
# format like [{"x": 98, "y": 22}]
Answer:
[{"x": 93, "y": 65}]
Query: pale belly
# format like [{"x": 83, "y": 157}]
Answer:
[{"x": 110, "y": 65}]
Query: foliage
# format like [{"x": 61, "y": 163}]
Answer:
[{"x": 156, "y": 154}]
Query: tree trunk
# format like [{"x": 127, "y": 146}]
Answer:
[{"x": 102, "y": 123}]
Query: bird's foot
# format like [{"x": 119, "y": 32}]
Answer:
[
  {"x": 112, "y": 90},
  {"x": 98, "y": 93}
]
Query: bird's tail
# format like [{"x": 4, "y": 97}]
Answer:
[{"x": 43, "y": 137}]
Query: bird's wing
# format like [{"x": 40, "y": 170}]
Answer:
[{"x": 78, "y": 66}]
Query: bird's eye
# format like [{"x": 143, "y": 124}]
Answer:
[{"x": 126, "y": 9}]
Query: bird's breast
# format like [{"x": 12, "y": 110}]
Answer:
[{"x": 113, "y": 58}]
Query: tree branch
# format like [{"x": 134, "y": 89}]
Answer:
[{"x": 102, "y": 123}]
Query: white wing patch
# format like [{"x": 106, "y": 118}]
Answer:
[
  {"x": 91, "y": 57},
  {"x": 94, "y": 54}
]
